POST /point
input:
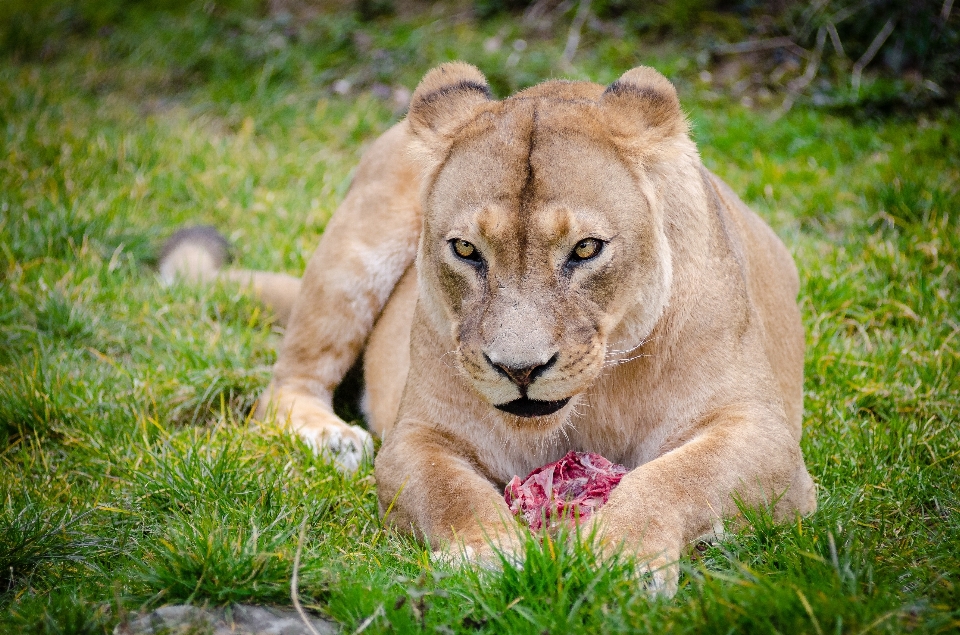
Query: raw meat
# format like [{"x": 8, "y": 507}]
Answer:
[{"x": 578, "y": 484}]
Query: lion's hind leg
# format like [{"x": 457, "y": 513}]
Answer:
[
  {"x": 367, "y": 245},
  {"x": 197, "y": 254}
]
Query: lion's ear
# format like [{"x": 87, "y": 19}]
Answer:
[
  {"x": 446, "y": 98},
  {"x": 642, "y": 109}
]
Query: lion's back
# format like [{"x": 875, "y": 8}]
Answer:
[{"x": 773, "y": 286}]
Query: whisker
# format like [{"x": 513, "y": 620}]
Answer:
[
  {"x": 442, "y": 361},
  {"x": 626, "y": 351},
  {"x": 617, "y": 362}
]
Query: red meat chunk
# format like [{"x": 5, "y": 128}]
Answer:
[{"x": 578, "y": 484}]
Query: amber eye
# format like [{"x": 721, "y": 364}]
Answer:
[
  {"x": 586, "y": 249},
  {"x": 465, "y": 250}
]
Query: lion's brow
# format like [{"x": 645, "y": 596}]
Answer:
[{"x": 527, "y": 191}]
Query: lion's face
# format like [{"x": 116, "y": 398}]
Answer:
[{"x": 540, "y": 243}]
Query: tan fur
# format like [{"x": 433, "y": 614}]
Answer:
[{"x": 679, "y": 345}]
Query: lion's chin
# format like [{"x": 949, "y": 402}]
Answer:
[{"x": 524, "y": 407}]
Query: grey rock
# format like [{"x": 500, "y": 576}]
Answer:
[{"x": 239, "y": 619}]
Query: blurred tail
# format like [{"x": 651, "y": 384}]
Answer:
[{"x": 198, "y": 254}]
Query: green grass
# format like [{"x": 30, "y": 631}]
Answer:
[{"x": 130, "y": 478}]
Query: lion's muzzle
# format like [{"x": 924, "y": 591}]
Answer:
[{"x": 522, "y": 376}]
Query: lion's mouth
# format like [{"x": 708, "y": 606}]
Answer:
[{"x": 524, "y": 407}]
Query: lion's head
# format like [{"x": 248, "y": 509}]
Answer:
[{"x": 543, "y": 243}]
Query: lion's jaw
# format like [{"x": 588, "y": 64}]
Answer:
[{"x": 529, "y": 326}]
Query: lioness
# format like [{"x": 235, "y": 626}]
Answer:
[{"x": 554, "y": 271}]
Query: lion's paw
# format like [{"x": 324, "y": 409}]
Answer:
[
  {"x": 455, "y": 556},
  {"x": 345, "y": 444},
  {"x": 657, "y": 554},
  {"x": 316, "y": 424},
  {"x": 660, "y": 577},
  {"x": 484, "y": 553}
]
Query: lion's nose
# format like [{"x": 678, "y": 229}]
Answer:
[{"x": 523, "y": 376}]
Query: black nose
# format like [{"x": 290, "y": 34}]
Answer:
[{"x": 525, "y": 376}]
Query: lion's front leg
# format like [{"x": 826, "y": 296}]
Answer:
[
  {"x": 739, "y": 455},
  {"x": 314, "y": 421},
  {"x": 367, "y": 245},
  {"x": 428, "y": 482}
]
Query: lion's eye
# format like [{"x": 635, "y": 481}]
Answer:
[
  {"x": 465, "y": 250},
  {"x": 586, "y": 249}
]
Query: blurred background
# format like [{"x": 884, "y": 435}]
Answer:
[
  {"x": 129, "y": 476},
  {"x": 866, "y": 56}
]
